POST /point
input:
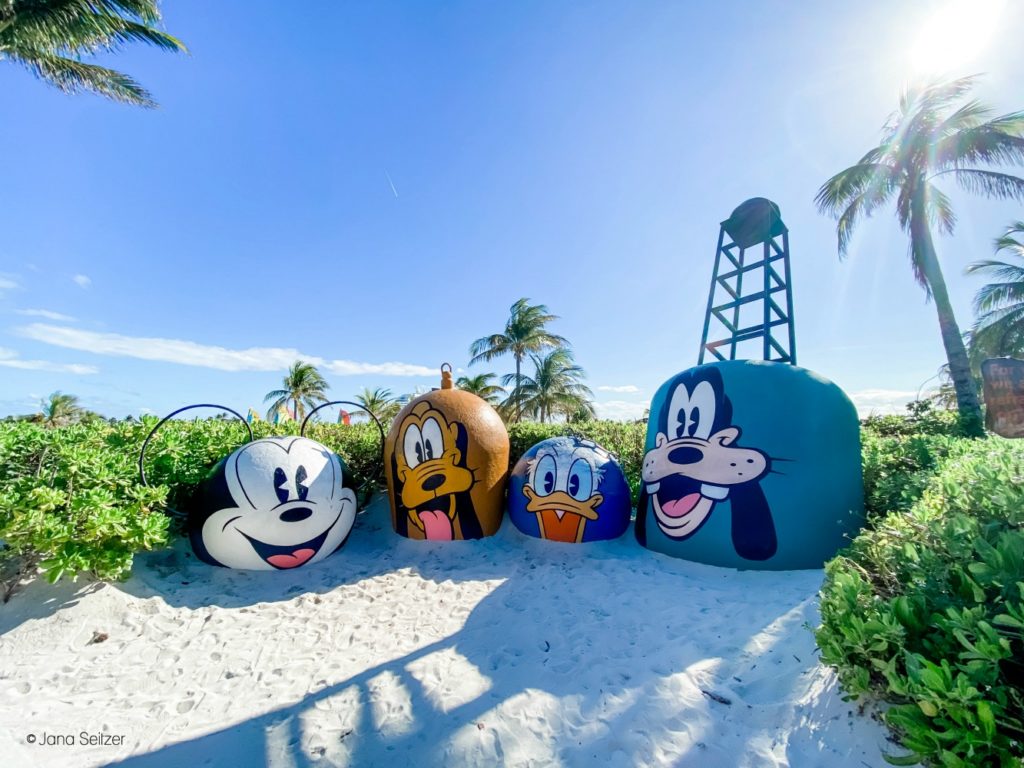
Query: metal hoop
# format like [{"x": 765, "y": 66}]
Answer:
[
  {"x": 168, "y": 417},
  {"x": 383, "y": 438},
  {"x": 449, "y": 367}
]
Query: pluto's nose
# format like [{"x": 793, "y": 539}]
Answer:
[
  {"x": 685, "y": 454},
  {"x": 295, "y": 515},
  {"x": 433, "y": 482}
]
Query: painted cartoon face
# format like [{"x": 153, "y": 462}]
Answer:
[
  {"x": 695, "y": 462},
  {"x": 561, "y": 489},
  {"x": 430, "y": 468},
  {"x": 287, "y": 506}
]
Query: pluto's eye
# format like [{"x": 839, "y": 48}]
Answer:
[
  {"x": 280, "y": 483},
  {"x": 581, "y": 480},
  {"x": 544, "y": 477},
  {"x": 433, "y": 443},
  {"x": 413, "y": 446},
  {"x": 300, "y": 483}
]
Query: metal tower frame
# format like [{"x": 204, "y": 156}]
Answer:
[{"x": 755, "y": 222}]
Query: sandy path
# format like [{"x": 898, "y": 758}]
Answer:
[{"x": 508, "y": 650}]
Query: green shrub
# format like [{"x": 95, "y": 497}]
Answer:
[
  {"x": 898, "y": 469},
  {"x": 922, "y": 418},
  {"x": 71, "y": 500},
  {"x": 926, "y": 612}
]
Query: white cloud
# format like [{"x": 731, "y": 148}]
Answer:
[
  {"x": 203, "y": 355},
  {"x": 6, "y": 284},
  {"x": 625, "y": 388},
  {"x": 83, "y": 281},
  {"x": 620, "y": 410},
  {"x": 46, "y": 314},
  {"x": 882, "y": 402},
  {"x": 9, "y": 359}
]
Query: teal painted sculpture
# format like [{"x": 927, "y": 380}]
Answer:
[
  {"x": 751, "y": 464},
  {"x": 571, "y": 490}
]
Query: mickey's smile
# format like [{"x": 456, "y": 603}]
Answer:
[{"x": 289, "y": 555}]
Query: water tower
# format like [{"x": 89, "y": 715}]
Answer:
[{"x": 750, "y": 304}]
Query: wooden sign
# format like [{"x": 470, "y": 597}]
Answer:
[{"x": 1004, "y": 396}]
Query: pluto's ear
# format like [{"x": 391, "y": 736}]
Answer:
[
  {"x": 461, "y": 442},
  {"x": 401, "y": 513},
  {"x": 753, "y": 530}
]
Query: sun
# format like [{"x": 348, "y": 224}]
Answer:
[{"x": 954, "y": 35}]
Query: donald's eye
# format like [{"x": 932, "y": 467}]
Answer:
[
  {"x": 280, "y": 485},
  {"x": 581, "y": 480},
  {"x": 300, "y": 483},
  {"x": 544, "y": 477}
]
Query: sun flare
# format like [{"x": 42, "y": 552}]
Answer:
[{"x": 954, "y": 35}]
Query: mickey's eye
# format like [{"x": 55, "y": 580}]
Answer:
[
  {"x": 412, "y": 446},
  {"x": 300, "y": 483},
  {"x": 581, "y": 480},
  {"x": 280, "y": 485},
  {"x": 433, "y": 442},
  {"x": 544, "y": 476}
]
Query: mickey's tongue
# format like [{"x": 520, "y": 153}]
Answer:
[
  {"x": 680, "y": 507},
  {"x": 436, "y": 525},
  {"x": 295, "y": 559}
]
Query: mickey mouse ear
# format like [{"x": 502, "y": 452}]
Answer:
[
  {"x": 168, "y": 417},
  {"x": 358, "y": 407}
]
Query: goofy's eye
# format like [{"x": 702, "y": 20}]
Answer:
[
  {"x": 581, "y": 480},
  {"x": 300, "y": 483},
  {"x": 433, "y": 443},
  {"x": 544, "y": 477},
  {"x": 412, "y": 446},
  {"x": 281, "y": 485},
  {"x": 702, "y": 410}
]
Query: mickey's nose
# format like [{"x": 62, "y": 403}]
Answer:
[
  {"x": 685, "y": 454},
  {"x": 433, "y": 482},
  {"x": 295, "y": 515}
]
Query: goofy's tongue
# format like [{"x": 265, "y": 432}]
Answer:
[
  {"x": 436, "y": 525},
  {"x": 680, "y": 507},
  {"x": 294, "y": 560}
]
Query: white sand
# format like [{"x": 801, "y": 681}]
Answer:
[{"x": 506, "y": 651}]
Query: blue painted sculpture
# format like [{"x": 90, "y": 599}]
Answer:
[
  {"x": 571, "y": 490},
  {"x": 751, "y": 464}
]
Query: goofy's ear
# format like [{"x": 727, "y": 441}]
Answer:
[
  {"x": 753, "y": 530},
  {"x": 726, "y": 436}
]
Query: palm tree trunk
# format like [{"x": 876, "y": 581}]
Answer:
[
  {"x": 956, "y": 353},
  {"x": 519, "y": 384}
]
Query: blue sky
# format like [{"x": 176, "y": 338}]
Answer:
[{"x": 373, "y": 185}]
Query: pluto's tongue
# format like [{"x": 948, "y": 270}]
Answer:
[
  {"x": 680, "y": 507},
  {"x": 295, "y": 559},
  {"x": 436, "y": 525}
]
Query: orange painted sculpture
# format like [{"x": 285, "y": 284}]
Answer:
[{"x": 447, "y": 459}]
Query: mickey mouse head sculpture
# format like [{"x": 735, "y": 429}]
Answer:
[{"x": 275, "y": 503}]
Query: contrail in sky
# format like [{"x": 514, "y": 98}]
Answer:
[{"x": 391, "y": 183}]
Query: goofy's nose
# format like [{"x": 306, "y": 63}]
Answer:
[
  {"x": 685, "y": 454},
  {"x": 295, "y": 515},
  {"x": 433, "y": 482}
]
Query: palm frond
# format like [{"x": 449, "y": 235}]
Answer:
[{"x": 1001, "y": 186}]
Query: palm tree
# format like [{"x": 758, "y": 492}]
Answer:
[
  {"x": 999, "y": 306},
  {"x": 480, "y": 385},
  {"x": 936, "y": 132},
  {"x": 61, "y": 409},
  {"x": 380, "y": 402},
  {"x": 51, "y": 37},
  {"x": 524, "y": 333},
  {"x": 555, "y": 388},
  {"x": 303, "y": 385}
]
